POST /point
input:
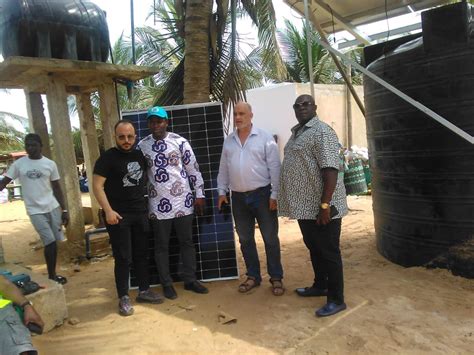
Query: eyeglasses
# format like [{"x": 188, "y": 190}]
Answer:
[
  {"x": 123, "y": 137},
  {"x": 302, "y": 104}
]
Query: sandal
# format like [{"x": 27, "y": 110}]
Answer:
[
  {"x": 277, "y": 287},
  {"x": 248, "y": 284}
]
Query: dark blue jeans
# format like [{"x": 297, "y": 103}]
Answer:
[
  {"x": 246, "y": 208},
  {"x": 129, "y": 240},
  {"x": 323, "y": 244}
]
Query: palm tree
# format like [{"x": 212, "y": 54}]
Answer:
[
  {"x": 200, "y": 43},
  {"x": 295, "y": 55},
  {"x": 11, "y": 139}
]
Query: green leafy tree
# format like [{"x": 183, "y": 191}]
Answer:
[
  {"x": 198, "y": 50},
  {"x": 294, "y": 46},
  {"x": 11, "y": 139}
]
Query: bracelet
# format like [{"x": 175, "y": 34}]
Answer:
[{"x": 64, "y": 211}]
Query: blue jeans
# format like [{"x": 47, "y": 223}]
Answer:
[{"x": 246, "y": 208}]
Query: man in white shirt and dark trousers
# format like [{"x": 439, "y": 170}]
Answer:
[
  {"x": 43, "y": 198},
  {"x": 250, "y": 168},
  {"x": 172, "y": 166}
]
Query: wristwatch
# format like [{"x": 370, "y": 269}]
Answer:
[{"x": 324, "y": 206}]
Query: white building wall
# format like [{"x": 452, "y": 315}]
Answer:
[{"x": 273, "y": 110}]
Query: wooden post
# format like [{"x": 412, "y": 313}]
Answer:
[
  {"x": 37, "y": 120},
  {"x": 109, "y": 113},
  {"x": 90, "y": 145},
  {"x": 66, "y": 160}
]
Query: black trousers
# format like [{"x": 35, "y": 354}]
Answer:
[
  {"x": 129, "y": 240},
  {"x": 323, "y": 244},
  {"x": 184, "y": 231}
]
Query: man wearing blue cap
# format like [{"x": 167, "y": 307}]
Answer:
[{"x": 172, "y": 166}]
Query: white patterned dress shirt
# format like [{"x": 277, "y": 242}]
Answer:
[{"x": 172, "y": 167}]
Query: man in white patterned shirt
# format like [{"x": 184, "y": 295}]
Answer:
[{"x": 172, "y": 166}]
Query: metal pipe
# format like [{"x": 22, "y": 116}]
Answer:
[
  {"x": 309, "y": 45},
  {"x": 132, "y": 22},
  {"x": 339, "y": 66},
  {"x": 400, "y": 94}
]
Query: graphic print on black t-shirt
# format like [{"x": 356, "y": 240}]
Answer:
[
  {"x": 134, "y": 174},
  {"x": 125, "y": 179}
]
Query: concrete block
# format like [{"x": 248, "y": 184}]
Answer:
[{"x": 49, "y": 302}]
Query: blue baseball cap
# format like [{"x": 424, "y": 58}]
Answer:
[{"x": 158, "y": 112}]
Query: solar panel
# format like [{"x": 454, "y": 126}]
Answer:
[{"x": 213, "y": 233}]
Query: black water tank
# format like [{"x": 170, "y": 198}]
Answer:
[
  {"x": 64, "y": 29},
  {"x": 422, "y": 173}
]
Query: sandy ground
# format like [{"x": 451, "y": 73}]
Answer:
[{"x": 391, "y": 309}]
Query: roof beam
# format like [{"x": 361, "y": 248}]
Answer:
[
  {"x": 381, "y": 35},
  {"x": 362, "y": 37}
]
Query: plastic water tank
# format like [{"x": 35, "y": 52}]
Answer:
[
  {"x": 64, "y": 29},
  {"x": 422, "y": 173}
]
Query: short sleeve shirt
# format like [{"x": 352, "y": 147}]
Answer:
[
  {"x": 125, "y": 184},
  {"x": 35, "y": 176},
  {"x": 311, "y": 147},
  {"x": 172, "y": 171}
]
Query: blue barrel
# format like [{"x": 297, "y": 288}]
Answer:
[{"x": 422, "y": 173}]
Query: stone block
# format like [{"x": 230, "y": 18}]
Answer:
[{"x": 49, "y": 302}]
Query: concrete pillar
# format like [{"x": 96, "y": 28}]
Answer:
[
  {"x": 37, "y": 120},
  {"x": 66, "y": 160},
  {"x": 90, "y": 145},
  {"x": 109, "y": 112}
]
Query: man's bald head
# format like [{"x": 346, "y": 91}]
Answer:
[{"x": 243, "y": 115}]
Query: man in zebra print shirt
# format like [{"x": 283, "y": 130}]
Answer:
[{"x": 312, "y": 192}]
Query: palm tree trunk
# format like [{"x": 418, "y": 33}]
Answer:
[{"x": 196, "y": 62}]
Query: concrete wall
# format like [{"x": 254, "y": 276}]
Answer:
[{"x": 273, "y": 111}]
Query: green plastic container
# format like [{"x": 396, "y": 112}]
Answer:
[
  {"x": 354, "y": 178},
  {"x": 368, "y": 175}
]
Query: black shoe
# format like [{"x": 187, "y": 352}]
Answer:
[
  {"x": 196, "y": 287},
  {"x": 311, "y": 292},
  {"x": 330, "y": 308},
  {"x": 170, "y": 292}
]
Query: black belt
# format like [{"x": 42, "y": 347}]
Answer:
[{"x": 246, "y": 193}]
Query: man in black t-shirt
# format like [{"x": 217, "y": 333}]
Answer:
[{"x": 119, "y": 186}]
